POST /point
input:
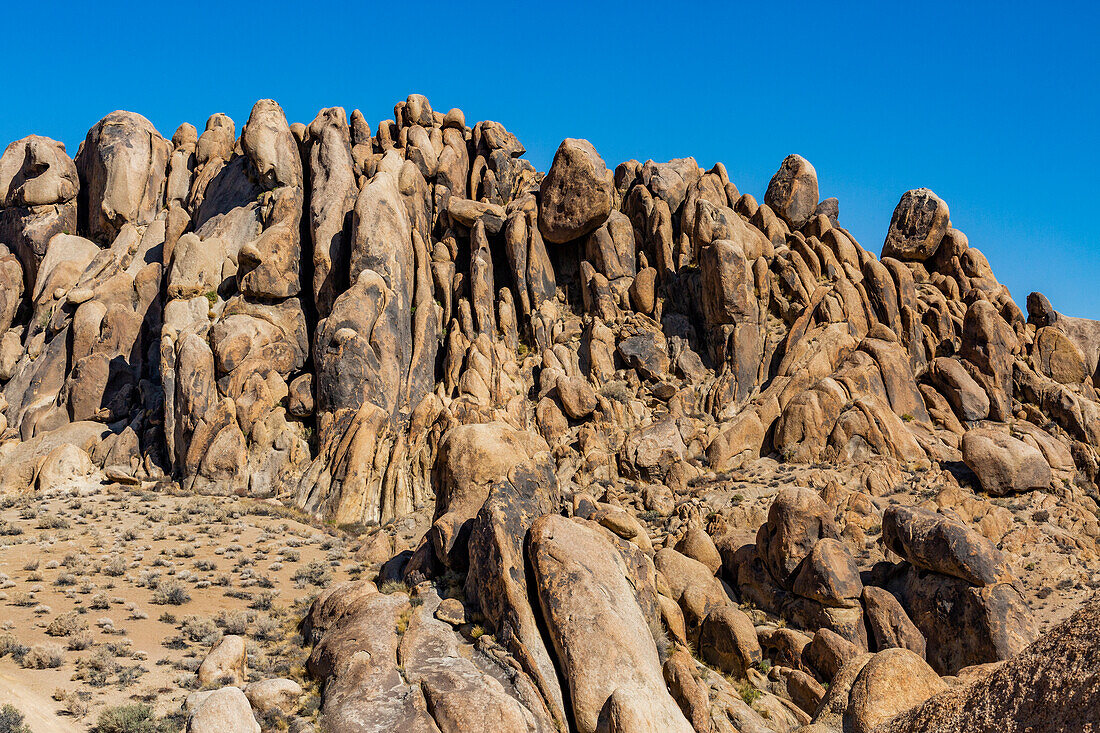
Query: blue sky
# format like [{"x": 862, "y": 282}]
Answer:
[{"x": 994, "y": 106}]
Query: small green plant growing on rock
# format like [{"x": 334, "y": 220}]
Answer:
[{"x": 748, "y": 693}]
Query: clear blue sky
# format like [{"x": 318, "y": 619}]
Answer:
[{"x": 995, "y": 106}]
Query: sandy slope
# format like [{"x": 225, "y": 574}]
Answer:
[{"x": 37, "y": 708}]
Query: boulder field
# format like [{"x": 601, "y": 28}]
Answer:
[{"x": 683, "y": 460}]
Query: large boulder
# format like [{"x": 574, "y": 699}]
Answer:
[
  {"x": 497, "y": 581},
  {"x": 576, "y": 194},
  {"x": 123, "y": 166},
  {"x": 935, "y": 542},
  {"x": 38, "y": 191},
  {"x": 828, "y": 575},
  {"x": 797, "y": 519},
  {"x": 963, "y": 624},
  {"x": 728, "y": 641},
  {"x": 470, "y": 459},
  {"x": 223, "y": 711},
  {"x": 1004, "y": 464},
  {"x": 966, "y": 396},
  {"x": 919, "y": 222},
  {"x": 64, "y": 464},
  {"x": 792, "y": 192},
  {"x": 891, "y": 682},
  {"x": 225, "y": 664},
  {"x": 888, "y": 625},
  {"x": 600, "y": 634},
  {"x": 272, "y": 695}
]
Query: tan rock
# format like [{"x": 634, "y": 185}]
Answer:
[
  {"x": 576, "y": 194},
  {"x": 225, "y": 664}
]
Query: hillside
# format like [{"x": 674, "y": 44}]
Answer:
[{"x": 584, "y": 450}]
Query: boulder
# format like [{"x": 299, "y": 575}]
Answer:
[
  {"x": 123, "y": 166},
  {"x": 966, "y": 396},
  {"x": 690, "y": 693},
  {"x": 577, "y": 397},
  {"x": 586, "y": 597},
  {"x": 698, "y": 545},
  {"x": 920, "y": 221},
  {"x": 828, "y": 575},
  {"x": 963, "y": 624},
  {"x": 469, "y": 460},
  {"x": 1064, "y": 662},
  {"x": 223, "y": 711},
  {"x": 1004, "y": 464},
  {"x": 576, "y": 195},
  {"x": 891, "y": 682},
  {"x": 829, "y": 652},
  {"x": 650, "y": 450},
  {"x": 797, "y": 519},
  {"x": 63, "y": 465},
  {"x": 279, "y": 694},
  {"x": 225, "y": 664},
  {"x": 792, "y": 191},
  {"x": 728, "y": 641},
  {"x": 498, "y": 581},
  {"x": 888, "y": 625},
  {"x": 935, "y": 542}
]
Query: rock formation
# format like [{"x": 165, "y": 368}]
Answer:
[{"x": 554, "y": 367}]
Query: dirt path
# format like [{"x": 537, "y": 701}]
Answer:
[{"x": 36, "y": 707}]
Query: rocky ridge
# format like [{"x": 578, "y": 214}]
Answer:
[{"x": 682, "y": 460}]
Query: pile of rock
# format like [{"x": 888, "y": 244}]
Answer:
[
  {"x": 412, "y": 320},
  {"x": 237, "y": 705}
]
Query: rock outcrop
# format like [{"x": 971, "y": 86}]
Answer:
[{"x": 628, "y": 411}]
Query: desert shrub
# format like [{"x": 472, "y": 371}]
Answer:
[
  {"x": 265, "y": 628},
  {"x": 80, "y": 641},
  {"x": 170, "y": 593},
  {"x": 263, "y": 601},
  {"x": 100, "y": 601},
  {"x": 115, "y": 568},
  {"x": 748, "y": 693},
  {"x": 131, "y": 718},
  {"x": 393, "y": 586},
  {"x": 97, "y": 669},
  {"x": 66, "y": 624},
  {"x": 44, "y": 656},
  {"x": 234, "y": 622},
  {"x": 52, "y": 521},
  {"x": 315, "y": 573},
  {"x": 72, "y": 703},
  {"x": 11, "y": 720},
  {"x": 201, "y": 630}
]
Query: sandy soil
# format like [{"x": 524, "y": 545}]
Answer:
[{"x": 106, "y": 565}]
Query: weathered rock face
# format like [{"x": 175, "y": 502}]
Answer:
[
  {"x": 38, "y": 190},
  {"x": 1063, "y": 661},
  {"x": 587, "y": 599},
  {"x": 1003, "y": 464},
  {"x": 123, "y": 167},
  {"x": 934, "y": 542},
  {"x": 792, "y": 192},
  {"x": 371, "y": 325},
  {"x": 919, "y": 223},
  {"x": 575, "y": 196}
]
